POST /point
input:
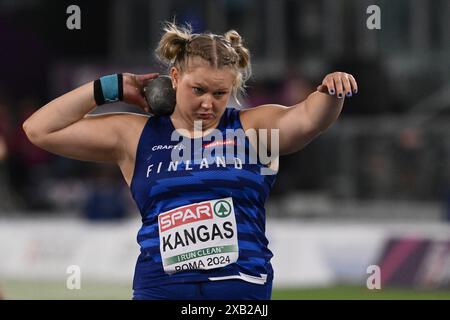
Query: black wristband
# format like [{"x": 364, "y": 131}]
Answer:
[
  {"x": 98, "y": 93},
  {"x": 120, "y": 85}
]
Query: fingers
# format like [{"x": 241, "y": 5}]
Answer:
[
  {"x": 353, "y": 83},
  {"x": 347, "y": 86},
  {"x": 322, "y": 88},
  {"x": 138, "y": 80},
  {"x": 143, "y": 104},
  {"x": 340, "y": 83},
  {"x": 144, "y": 78},
  {"x": 329, "y": 83}
]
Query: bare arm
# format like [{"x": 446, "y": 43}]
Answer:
[
  {"x": 62, "y": 127},
  {"x": 300, "y": 124}
]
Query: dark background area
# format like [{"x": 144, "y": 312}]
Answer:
[{"x": 402, "y": 72}]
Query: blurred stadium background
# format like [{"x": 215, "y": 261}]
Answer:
[{"x": 373, "y": 190}]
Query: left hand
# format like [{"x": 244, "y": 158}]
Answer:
[{"x": 340, "y": 84}]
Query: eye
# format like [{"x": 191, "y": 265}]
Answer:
[
  {"x": 220, "y": 94},
  {"x": 198, "y": 91}
]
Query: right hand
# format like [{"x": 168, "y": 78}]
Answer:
[{"x": 133, "y": 88}]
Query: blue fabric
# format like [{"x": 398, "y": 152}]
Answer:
[
  {"x": 159, "y": 190},
  {"x": 110, "y": 88},
  {"x": 211, "y": 290}
]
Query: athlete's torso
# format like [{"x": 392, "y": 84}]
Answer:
[{"x": 203, "y": 217}]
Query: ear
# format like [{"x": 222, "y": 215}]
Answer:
[{"x": 175, "y": 75}]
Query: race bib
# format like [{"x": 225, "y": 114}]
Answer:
[{"x": 198, "y": 236}]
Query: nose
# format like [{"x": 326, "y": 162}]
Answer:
[{"x": 207, "y": 102}]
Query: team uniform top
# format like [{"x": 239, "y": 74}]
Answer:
[{"x": 203, "y": 216}]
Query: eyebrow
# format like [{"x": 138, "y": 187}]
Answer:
[{"x": 198, "y": 84}]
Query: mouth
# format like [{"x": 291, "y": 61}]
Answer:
[{"x": 205, "y": 116}]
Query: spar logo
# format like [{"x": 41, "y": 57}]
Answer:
[
  {"x": 185, "y": 215},
  {"x": 222, "y": 209}
]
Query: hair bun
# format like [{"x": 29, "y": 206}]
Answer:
[
  {"x": 234, "y": 38},
  {"x": 173, "y": 41}
]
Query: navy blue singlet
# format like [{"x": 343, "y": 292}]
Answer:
[{"x": 203, "y": 219}]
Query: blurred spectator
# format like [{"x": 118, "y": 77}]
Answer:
[
  {"x": 106, "y": 195},
  {"x": 262, "y": 93},
  {"x": 447, "y": 205},
  {"x": 28, "y": 165},
  {"x": 3, "y": 148},
  {"x": 5, "y": 197},
  {"x": 4, "y": 126},
  {"x": 409, "y": 157},
  {"x": 295, "y": 89},
  {"x": 374, "y": 170}
]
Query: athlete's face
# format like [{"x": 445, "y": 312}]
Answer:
[{"x": 202, "y": 92}]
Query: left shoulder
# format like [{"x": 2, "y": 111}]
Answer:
[{"x": 262, "y": 116}]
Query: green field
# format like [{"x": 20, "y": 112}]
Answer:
[{"x": 52, "y": 290}]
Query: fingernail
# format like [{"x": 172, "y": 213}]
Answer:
[
  {"x": 356, "y": 91},
  {"x": 331, "y": 91},
  {"x": 349, "y": 94},
  {"x": 340, "y": 95}
]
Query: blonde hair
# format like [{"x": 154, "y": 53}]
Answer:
[{"x": 178, "y": 44}]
